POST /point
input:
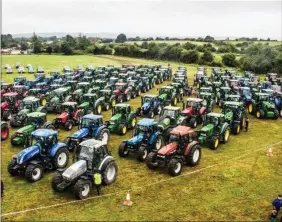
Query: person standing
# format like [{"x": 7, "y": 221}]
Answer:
[
  {"x": 98, "y": 181},
  {"x": 247, "y": 124},
  {"x": 277, "y": 203}
]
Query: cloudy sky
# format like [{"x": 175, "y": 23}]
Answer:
[{"x": 145, "y": 17}]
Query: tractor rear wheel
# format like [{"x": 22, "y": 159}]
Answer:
[
  {"x": 109, "y": 175},
  {"x": 193, "y": 122},
  {"x": 68, "y": 125},
  {"x": 226, "y": 135},
  {"x": 151, "y": 161},
  {"x": 236, "y": 129},
  {"x": 104, "y": 135},
  {"x": 280, "y": 113},
  {"x": 214, "y": 142},
  {"x": 11, "y": 169},
  {"x": 128, "y": 96},
  {"x": 6, "y": 115},
  {"x": 120, "y": 99},
  {"x": 56, "y": 180},
  {"x": 194, "y": 156},
  {"x": 138, "y": 92},
  {"x": 82, "y": 188},
  {"x": 123, "y": 150},
  {"x": 12, "y": 140},
  {"x": 276, "y": 114},
  {"x": 33, "y": 172},
  {"x": 106, "y": 107},
  {"x": 175, "y": 167},
  {"x": 61, "y": 158},
  {"x": 113, "y": 102},
  {"x": 142, "y": 153},
  {"x": 159, "y": 142},
  {"x": 151, "y": 114}
]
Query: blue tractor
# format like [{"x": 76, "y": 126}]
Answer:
[
  {"x": 45, "y": 153},
  {"x": 146, "y": 138},
  {"x": 90, "y": 126},
  {"x": 151, "y": 105}
]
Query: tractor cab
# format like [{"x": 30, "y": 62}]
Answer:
[
  {"x": 45, "y": 139},
  {"x": 123, "y": 77},
  {"x": 120, "y": 87},
  {"x": 259, "y": 97},
  {"x": 193, "y": 103},
  {"x": 266, "y": 85},
  {"x": 72, "y": 84},
  {"x": 43, "y": 86},
  {"x": 113, "y": 81},
  {"x": 69, "y": 107},
  {"x": 101, "y": 84},
  {"x": 215, "y": 119},
  {"x": 170, "y": 112},
  {"x": 234, "y": 98},
  {"x": 166, "y": 90},
  {"x": 6, "y": 87},
  {"x": 19, "y": 80},
  {"x": 89, "y": 97},
  {"x": 55, "y": 74},
  {"x": 21, "y": 90},
  {"x": 123, "y": 109},
  {"x": 271, "y": 77},
  {"x": 91, "y": 121},
  {"x": 181, "y": 135},
  {"x": 206, "y": 90},
  {"x": 36, "y": 118},
  {"x": 84, "y": 86},
  {"x": 9, "y": 98},
  {"x": 30, "y": 103},
  {"x": 54, "y": 86},
  {"x": 149, "y": 99},
  {"x": 146, "y": 127},
  {"x": 39, "y": 76}
]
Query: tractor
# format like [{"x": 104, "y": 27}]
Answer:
[
  {"x": 235, "y": 114},
  {"x": 195, "y": 111},
  {"x": 81, "y": 89},
  {"x": 168, "y": 95},
  {"x": 34, "y": 121},
  {"x": 221, "y": 96},
  {"x": 207, "y": 101},
  {"x": 151, "y": 105},
  {"x": 122, "y": 92},
  {"x": 271, "y": 77},
  {"x": 123, "y": 118},
  {"x": 158, "y": 76},
  {"x": 21, "y": 90},
  {"x": 182, "y": 149},
  {"x": 146, "y": 138},
  {"x": 145, "y": 84},
  {"x": 6, "y": 87},
  {"x": 19, "y": 80},
  {"x": 4, "y": 130},
  {"x": 56, "y": 98},
  {"x": 262, "y": 108},
  {"x": 179, "y": 89},
  {"x": 169, "y": 118},
  {"x": 216, "y": 129},
  {"x": 91, "y": 157},
  {"x": 10, "y": 105},
  {"x": 91, "y": 126},
  {"x": 30, "y": 104},
  {"x": 246, "y": 95},
  {"x": 45, "y": 153},
  {"x": 107, "y": 98},
  {"x": 91, "y": 103},
  {"x": 134, "y": 88},
  {"x": 234, "y": 85}
]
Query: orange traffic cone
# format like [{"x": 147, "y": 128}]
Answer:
[
  {"x": 127, "y": 201},
  {"x": 270, "y": 153}
]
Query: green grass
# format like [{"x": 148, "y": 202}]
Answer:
[{"x": 237, "y": 189}]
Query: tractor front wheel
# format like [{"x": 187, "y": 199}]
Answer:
[
  {"x": 4, "y": 131},
  {"x": 82, "y": 189},
  {"x": 236, "y": 129},
  {"x": 159, "y": 142},
  {"x": 33, "y": 172},
  {"x": 194, "y": 156},
  {"x": 175, "y": 167},
  {"x": 6, "y": 115},
  {"x": 104, "y": 135},
  {"x": 151, "y": 114},
  {"x": 56, "y": 180},
  {"x": 260, "y": 114},
  {"x": 214, "y": 142},
  {"x": 226, "y": 135},
  {"x": 193, "y": 122},
  {"x": 109, "y": 175},
  {"x": 11, "y": 169},
  {"x": 142, "y": 153},
  {"x": 122, "y": 129},
  {"x": 61, "y": 158},
  {"x": 123, "y": 150},
  {"x": 276, "y": 114},
  {"x": 68, "y": 125},
  {"x": 151, "y": 161},
  {"x": 99, "y": 109}
]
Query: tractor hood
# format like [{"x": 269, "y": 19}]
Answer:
[
  {"x": 168, "y": 149},
  {"x": 84, "y": 104},
  {"x": 136, "y": 139},
  {"x": 207, "y": 128},
  {"x": 63, "y": 115},
  {"x": 4, "y": 105},
  {"x": 27, "y": 154},
  {"x": 80, "y": 133},
  {"x": 268, "y": 105},
  {"x": 163, "y": 96},
  {"x": 187, "y": 111},
  {"x": 75, "y": 170},
  {"x": 26, "y": 129},
  {"x": 78, "y": 91},
  {"x": 116, "y": 117},
  {"x": 117, "y": 92},
  {"x": 164, "y": 124},
  {"x": 23, "y": 111},
  {"x": 146, "y": 106},
  {"x": 248, "y": 98}
]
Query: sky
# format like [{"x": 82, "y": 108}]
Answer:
[{"x": 178, "y": 18}]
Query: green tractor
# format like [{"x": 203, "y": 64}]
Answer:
[
  {"x": 57, "y": 97},
  {"x": 123, "y": 118},
  {"x": 76, "y": 96},
  {"x": 170, "y": 117},
  {"x": 235, "y": 114},
  {"x": 262, "y": 108},
  {"x": 34, "y": 121},
  {"x": 91, "y": 103},
  {"x": 101, "y": 84},
  {"x": 168, "y": 95},
  {"x": 222, "y": 95},
  {"x": 107, "y": 98},
  {"x": 216, "y": 129},
  {"x": 158, "y": 77},
  {"x": 179, "y": 89},
  {"x": 207, "y": 101},
  {"x": 29, "y": 104}
]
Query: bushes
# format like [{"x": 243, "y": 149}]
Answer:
[
  {"x": 191, "y": 56},
  {"x": 206, "y": 58},
  {"x": 229, "y": 60}
]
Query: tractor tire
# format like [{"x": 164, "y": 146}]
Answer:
[
  {"x": 142, "y": 153},
  {"x": 175, "y": 167},
  {"x": 226, "y": 135},
  {"x": 236, "y": 129},
  {"x": 158, "y": 110},
  {"x": 133, "y": 94},
  {"x": 260, "y": 114},
  {"x": 68, "y": 125},
  {"x": 49, "y": 125},
  {"x": 276, "y": 114},
  {"x": 120, "y": 99},
  {"x": 33, "y": 172},
  {"x": 122, "y": 129},
  {"x": 6, "y": 115},
  {"x": 194, "y": 156},
  {"x": 133, "y": 123},
  {"x": 139, "y": 92},
  {"x": 151, "y": 161},
  {"x": 109, "y": 175},
  {"x": 4, "y": 131},
  {"x": 44, "y": 110},
  {"x": 250, "y": 108},
  {"x": 11, "y": 165},
  {"x": 82, "y": 189},
  {"x": 13, "y": 122},
  {"x": 67, "y": 142},
  {"x": 174, "y": 101},
  {"x": 56, "y": 180},
  {"x": 113, "y": 103},
  {"x": 104, "y": 135},
  {"x": 58, "y": 109},
  {"x": 214, "y": 142},
  {"x": 151, "y": 114},
  {"x": 128, "y": 96},
  {"x": 159, "y": 142},
  {"x": 106, "y": 107},
  {"x": 61, "y": 158},
  {"x": 12, "y": 140},
  {"x": 243, "y": 123},
  {"x": 123, "y": 150},
  {"x": 193, "y": 122},
  {"x": 98, "y": 109},
  {"x": 144, "y": 89}
]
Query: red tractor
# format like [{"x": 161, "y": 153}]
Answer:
[
  {"x": 10, "y": 105},
  {"x": 195, "y": 110},
  {"x": 6, "y": 87},
  {"x": 70, "y": 116},
  {"x": 181, "y": 149},
  {"x": 122, "y": 92},
  {"x": 21, "y": 90}
]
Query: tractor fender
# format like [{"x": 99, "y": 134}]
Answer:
[
  {"x": 46, "y": 124},
  {"x": 39, "y": 109},
  {"x": 127, "y": 91},
  {"x": 75, "y": 115},
  {"x": 99, "y": 130},
  {"x": 153, "y": 137},
  {"x": 99, "y": 101},
  {"x": 189, "y": 146},
  {"x": 105, "y": 162},
  {"x": 57, "y": 147},
  {"x": 223, "y": 128},
  {"x": 202, "y": 110}
]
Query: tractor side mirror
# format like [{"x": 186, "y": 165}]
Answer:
[{"x": 183, "y": 105}]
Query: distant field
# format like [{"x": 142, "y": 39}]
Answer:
[{"x": 237, "y": 182}]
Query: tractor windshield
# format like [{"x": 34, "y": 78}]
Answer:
[
  {"x": 263, "y": 98},
  {"x": 119, "y": 87},
  {"x": 118, "y": 109},
  {"x": 174, "y": 138},
  {"x": 246, "y": 91},
  {"x": 212, "y": 120},
  {"x": 170, "y": 113},
  {"x": 191, "y": 104},
  {"x": 86, "y": 153},
  {"x": 164, "y": 91},
  {"x": 147, "y": 99},
  {"x": 68, "y": 108}
]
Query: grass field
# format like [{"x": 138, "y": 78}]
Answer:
[{"x": 236, "y": 182}]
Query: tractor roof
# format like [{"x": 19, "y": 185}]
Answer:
[
  {"x": 19, "y": 86},
  {"x": 234, "y": 96},
  {"x": 206, "y": 88},
  {"x": 181, "y": 130},
  {"x": 10, "y": 94},
  {"x": 92, "y": 116},
  {"x": 166, "y": 87},
  {"x": 122, "y": 105},
  {"x": 83, "y": 83},
  {"x": 261, "y": 94},
  {"x": 150, "y": 96},
  {"x": 44, "y": 133},
  {"x": 105, "y": 90},
  {"x": 120, "y": 84},
  {"x": 219, "y": 115},
  {"x": 147, "y": 122},
  {"x": 245, "y": 88},
  {"x": 69, "y": 103},
  {"x": 197, "y": 100},
  {"x": 225, "y": 87},
  {"x": 232, "y": 103},
  {"x": 92, "y": 143},
  {"x": 90, "y": 94},
  {"x": 268, "y": 90},
  {"x": 205, "y": 94},
  {"x": 60, "y": 90},
  {"x": 172, "y": 108},
  {"x": 36, "y": 114},
  {"x": 30, "y": 99},
  {"x": 6, "y": 84}
]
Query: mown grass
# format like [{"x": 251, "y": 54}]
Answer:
[{"x": 241, "y": 187}]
